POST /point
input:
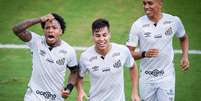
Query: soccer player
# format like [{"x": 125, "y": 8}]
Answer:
[
  {"x": 105, "y": 63},
  {"x": 51, "y": 57},
  {"x": 153, "y": 34}
]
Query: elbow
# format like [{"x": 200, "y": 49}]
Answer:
[{"x": 15, "y": 30}]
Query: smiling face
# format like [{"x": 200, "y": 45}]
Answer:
[
  {"x": 152, "y": 8},
  {"x": 52, "y": 30},
  {"x": 101, "y": 38}
]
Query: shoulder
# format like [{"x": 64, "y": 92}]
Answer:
[
  {"x": 119, "y": 47},
  {"x": 88, "y": 52},
  {"x": 140, "y": 21},
  {"x": 66, "y": 46},
  {"x": 171, "y": 17}
]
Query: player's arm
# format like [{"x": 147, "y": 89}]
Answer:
[
  {"x": 21, "y": 29},
  {"x": 72, "y": 79},
  {"x": 80, "y": 91},
  {"x": 134, "y": 83},
  {"x": 184, "y": 42},
  {"x": 145, "y": 54}
]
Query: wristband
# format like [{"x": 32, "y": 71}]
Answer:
[
  {"x": 69, "y": 87},
  {"x": 143, "y": 54}
]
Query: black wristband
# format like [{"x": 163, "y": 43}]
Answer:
[
  {"x": 69, "y": 87},
  {"x": 143, "y": 54}
]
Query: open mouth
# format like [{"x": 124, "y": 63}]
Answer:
[{"x": 50, "y": 36}]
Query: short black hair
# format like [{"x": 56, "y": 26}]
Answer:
[
  {"x": 59, "y": 19},
  {"x": 100, "y": 23}
]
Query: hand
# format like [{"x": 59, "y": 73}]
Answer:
[
  {"x": 48, "y": 17},
  {"x": 184, "y": 63},
  {"x": 65, "y": 93},
  {"x": 135, "y": 97},
  {"x": 81, "y": 95},
  {"x": 152, "y": 53}
]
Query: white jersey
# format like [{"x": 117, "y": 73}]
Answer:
[
  {"x": 106, "y": 73},
  {"x": 49, "y": 67},
  {"x": 145, "y": 34}
]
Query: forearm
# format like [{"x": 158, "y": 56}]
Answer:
[
  {"x": 134, "y": 79},
  {"x": 21, "y": 27},
  {"x": 184, "y": 42}
]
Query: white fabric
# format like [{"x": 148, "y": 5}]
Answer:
[
  {"x": 49, "y": 67},
  {"x": 106, "y": 75},
  {"x": 146, "y": 35}
]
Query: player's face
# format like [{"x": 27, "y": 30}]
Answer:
[
  {"x": 152, "y": 8},
  {"x": 101, "y": 39},
  {"x": 52, "y": 32}
]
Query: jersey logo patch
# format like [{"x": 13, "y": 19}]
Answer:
[
  {"x": 60, "y": 61},
  {"x": 63, "y": 51},
  {"x": 117, "y": 64},
  {"x": 146, "y": 25},
  {"x": 155, "y": 72},
  {"x": 158, "y": 36},
  {"x": 93, "y": 58},
  {"x": 167, "y": 22},
  {"x": 147, "y": 34},
  {"x": 169, "y": 31},
  {"x": 116, "y": 54},
  {"x": 50, "y": 60},
  {"x": 46, "y": 94},
  {"x": 42, "y": 53},
  {"x": 95, "y": 68},
  {"x": 106, "y": 69}
]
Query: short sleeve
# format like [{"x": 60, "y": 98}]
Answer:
[
  {"x": 34, "y": 38},
  {"x": 72, "y": 59},
  {"x": 129, "y": 58},
  {"x": 133, "y": 36},
  {"x": 180, "y": 31},
  {"x": 82, "y": 66}
]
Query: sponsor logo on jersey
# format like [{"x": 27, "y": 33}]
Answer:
[
  {"x": 60, "y": 61},
  {"x": 158, "y": 36},
  {"x": 155, "y": 72},
  {"x": 169, "y": 31},
  {"x": 46, "y": 94},
  {"x": 95, "y": 68},
  {"x": 63, "y": 51},
  {"x": 116, "y": 54},
  {"x": 146, "y": 25},
  {"x": 106, "y": 69},
  {"x": 42, "y": 53},
  {"x": 93, "y": 58},
  {"x": 147, "y": 34},
  {"x": 167, "y": 22},
  {"x": 117, "y": 64},
  {"x": 50, "y": 60}
]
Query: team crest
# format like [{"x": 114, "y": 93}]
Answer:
[
  {"x": 117, "y": 64},
  {"x": 169, "y": 31}
]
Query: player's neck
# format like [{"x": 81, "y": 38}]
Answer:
[
  {"x": 103, "y": 52},
  {"x": 156, "y": 17},
  {"x": 57, "y": 43}
]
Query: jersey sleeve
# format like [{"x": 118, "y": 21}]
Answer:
[
  {"x": 82, "y": 66},
  {"x": 34, "y": 38},
  {"x": 180, "y": 32},
  {"x": 133, "y": 36},
  {"x": 129, "y": 58},
  {"x": 72, "y": 61}
]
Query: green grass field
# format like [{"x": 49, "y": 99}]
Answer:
[{"x": 15, "y": 64}]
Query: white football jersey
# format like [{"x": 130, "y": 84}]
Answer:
[
  {"x": 49, "y": 67},
  {"x": 146, "y": 35},
  {"x": 106, "y": 73}
]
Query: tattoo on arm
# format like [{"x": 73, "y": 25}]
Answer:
[{"x": 21, "y": 29}]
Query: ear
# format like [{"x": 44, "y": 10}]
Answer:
[{"x": 60, "y": 32}]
